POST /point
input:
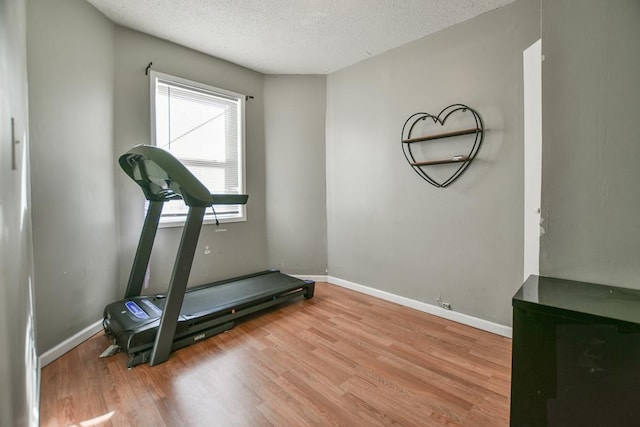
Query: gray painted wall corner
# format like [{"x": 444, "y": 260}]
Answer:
[
  {"x": 295, "y": 119},
  {"x": 74, "y": 223},
  {"x": 242, "y": 248}
]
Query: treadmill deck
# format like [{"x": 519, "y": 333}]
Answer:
[{"x": 206, "y": 310}]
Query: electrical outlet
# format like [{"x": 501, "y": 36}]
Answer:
[{"x": 442, "y": 304}]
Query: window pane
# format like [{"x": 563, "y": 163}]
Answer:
[
  {"x": 212, "y": 177},
  {"x": 195, "y": 125},
  {"x": 202, "y": 129}
]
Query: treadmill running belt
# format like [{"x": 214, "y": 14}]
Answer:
[{"x": 218, "y": 297}]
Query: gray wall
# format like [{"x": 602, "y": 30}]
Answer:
[
  {"x": 242, "y": 248},
  {"x": 18, "y": 364},
  {"x": 70, "y": 58},
  {"x": 591, "y": 148},
  {"x": 389, "y": 229},
  {"x": 295, "y": 163}
]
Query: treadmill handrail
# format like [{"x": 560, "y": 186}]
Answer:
[{"x": 175, "y": 181}]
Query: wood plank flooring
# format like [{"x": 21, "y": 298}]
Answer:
[{"x": 339, "y": 359}]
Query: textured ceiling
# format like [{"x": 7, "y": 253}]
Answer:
[{"x": 292, "y": 36}]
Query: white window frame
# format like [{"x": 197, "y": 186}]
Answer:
[{"x": 154, "y": 77}]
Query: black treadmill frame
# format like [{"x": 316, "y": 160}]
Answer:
[
  {"x": 199, "y": 327},
  {"x": 177, "y": 286},
  {"x": 162, "y": 177}
]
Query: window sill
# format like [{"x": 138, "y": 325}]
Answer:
[{"x": 179, "y": 222}]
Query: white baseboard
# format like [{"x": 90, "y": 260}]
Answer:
[
  {"x": 495, "y": 328},
  {"x": 69, "y": 344},
  {"x": 485, "y": 325},
  {"x": 316, "y": 278}
]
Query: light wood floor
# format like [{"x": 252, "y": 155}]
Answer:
[{"x": 341, "y": 358}]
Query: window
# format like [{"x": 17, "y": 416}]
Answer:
[{"x": 203, "y": 127}]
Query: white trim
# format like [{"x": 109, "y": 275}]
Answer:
[
  {"x": 316, "y": 278},
  {"x": 532, "y": 73},
  {"x": 465, "y": 319},
  {"x": 192, "y": 84},
  {"x": 69, "y": 344},
  {"x": 179, "y": 222},
  {"x": 154, "y": 78}
]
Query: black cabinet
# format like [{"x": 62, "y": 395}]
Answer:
[{"x": 576, "y": 354}]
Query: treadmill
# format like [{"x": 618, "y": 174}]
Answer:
[{"x": 149, "y": 327}]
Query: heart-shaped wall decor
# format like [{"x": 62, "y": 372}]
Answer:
[{"x": 453, "y": 137}]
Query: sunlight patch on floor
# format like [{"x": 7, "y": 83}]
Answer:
[{"x": 95, "y": 421}]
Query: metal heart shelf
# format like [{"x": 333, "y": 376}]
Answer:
[{"x": 465, "y": 159}]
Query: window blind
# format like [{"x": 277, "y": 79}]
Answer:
[{"x": 203, "y": 129}]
